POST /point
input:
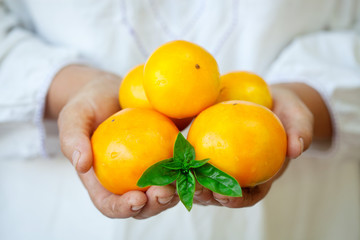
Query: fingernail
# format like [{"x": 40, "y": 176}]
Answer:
[
  {"x": 137, "y": 208},
  {"x": 222, "y": 201},
  {"x": 165, "y": 200},
  {"x": 75, "y": 158},
  {"x": 301, "y": 140}
]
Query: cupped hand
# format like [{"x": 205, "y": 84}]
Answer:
[
  {"x": 296, "y": 105},
  {"x": 136, "y": 204},
  {"x": 81, "y": 98}
]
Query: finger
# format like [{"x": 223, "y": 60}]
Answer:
[
  {"x": 112, "y": 205},
  {"x": 282, "y": 169},
  {"x": 204, "y": 196},
  {"x": 299, "y": 128},
  {"x": 159, "y": 198},
  {"x": 75, "y": 127},
  {"x": 298, "y": 122},
  {"x": 250, "y": 197}
]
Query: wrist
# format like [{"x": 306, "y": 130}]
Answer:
[{"x": 67, "y": 83}]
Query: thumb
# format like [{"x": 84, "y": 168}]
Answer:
[
  {"x": 298, "y": 122},
  {"x": 75, "y": 124}
]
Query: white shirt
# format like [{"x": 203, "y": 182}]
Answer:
[{"x": 315, "y": 41}]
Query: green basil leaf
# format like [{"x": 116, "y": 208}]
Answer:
[
  {"x": 198, "y": 163},
  {"x": 185, "y": 185},
  {"x": 217, "y": 181},
  {"x": 173, "y": 165},
  {"x": 183, "y": 151},
  {"x": 158, "y": 175}
]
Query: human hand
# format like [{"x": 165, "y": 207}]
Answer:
[
  {"x": 81, "y": 98},
  {"x": 297, "y": 105}
]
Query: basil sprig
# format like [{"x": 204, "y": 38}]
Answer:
[{"x": 185, "y": 170}]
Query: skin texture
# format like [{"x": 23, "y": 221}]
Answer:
[
  {"x": 298, "y": 106},
  {"x": 93, "y": 97}
]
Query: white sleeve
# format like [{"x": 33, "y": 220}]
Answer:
[
  {"x": 330, "y": 63},
  {"x": 27, "y": 67}
]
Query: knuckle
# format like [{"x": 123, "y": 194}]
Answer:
[
  {"x": 107, "y": 207},
  {"x": 62, "y": 116},
  {"x": 113, "y": 211},
  {"x": 66, "y": 144},
  {"x": 65, "y": 139},
  {"x": 108, "y": 215},
  {"x": 106, "y": 211}
]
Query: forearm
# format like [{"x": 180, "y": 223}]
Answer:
[{"x": 323, "y": 128}]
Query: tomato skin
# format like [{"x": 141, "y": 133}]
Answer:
[
  {"x": 128, "y": 143},
  {"x": 243, "y": 139},
  {"x": 246, "y": 86},
  {"x": 181, "y": 79}
]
